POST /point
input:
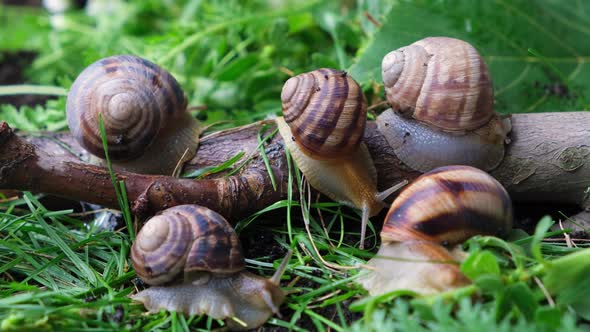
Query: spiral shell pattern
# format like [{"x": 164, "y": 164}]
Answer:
[
  {"x": 441, "y": 81},
  {"x": 326, "y": 111},
  {"x": 185, "y": 238},
  {"x": 136, "y": 99},
  {"x": 448, "y": 205}
]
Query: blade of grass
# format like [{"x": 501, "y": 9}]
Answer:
[
  {"x": 121, "y": 198},
  {"x": 264, "y": 156},
  {"x": 202, "y": 172}
]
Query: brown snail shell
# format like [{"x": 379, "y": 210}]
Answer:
[
  {"x": 443, "y": 91},
  {"x": 448, "y": 205},
  {"x": 438, "y": 210},
  {"x": 326, "y": 111},
  {"x": 193, "y": 257},
  {"x": 440, "y": 81},
  {"x": 185, "y": 238},
  {"x": 144, "y": 112},
  {"x": 324, "y": 121}
]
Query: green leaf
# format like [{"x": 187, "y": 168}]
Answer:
[
  {"x": 238, "y": 68},
  {"x": 202, "y": 172},
  {"x": 567, "y": 278},
  {"x": 549, "y": 317},
  {"x": 537, "y": 52},
  {"x": 540, "y": 233},
  {"x": 489, "y": 283},
  {"x": 517, "y": 296},
  {"x": 29, "y": 27},
  {"x": 35, "y": 118},
  {"x": 480, "y": 263}
]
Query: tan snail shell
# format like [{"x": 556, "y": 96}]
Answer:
[
  {"x": 443, "y": 92},
  {"x": 326, "y": 111},
  {"x": 144, "y": 112},
  {"x": 194, "y": 259},
  {"x": 440, "y": 209},
  {"x": 324, "y": 121}
]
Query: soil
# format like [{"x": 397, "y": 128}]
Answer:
[
  {"x": 12, "y": 71},
  {"x": 32, "y": 3}
]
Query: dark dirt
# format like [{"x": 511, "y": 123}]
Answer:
[
  {"x": 32, "y": 3},
  {"x": 262, "y": 243},
  {"x": 12, "y": 71}
]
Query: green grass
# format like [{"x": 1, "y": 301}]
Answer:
[{"x": 63, "y": 271}]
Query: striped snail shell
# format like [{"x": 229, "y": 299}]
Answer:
[
  {"x": 443, "y": 92},
  {"x": 326, "y": 110},
  {"x": 144, "y": 112},
  {"x": 440, "y": 81},
  {"x": 439, "y": 210},
  {"x": 193, "y": 259},
  {"x": 185, "y": 238},
  {"x": 448, "y": 205},
  {"x": 325, "y": 114}
]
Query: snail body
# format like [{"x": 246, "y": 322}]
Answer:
[
  {"x": 323, "y": 125},
  {"x": 193, "y": 259},
  {"x": 442, "y": 94},
  {"x": 439, "y": 210},
  {"x": 144, "y": 112}
]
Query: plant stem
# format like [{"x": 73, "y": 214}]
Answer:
[{"x": 29, "y": 89}]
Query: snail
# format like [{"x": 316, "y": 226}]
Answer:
[
  {"x": 144, "y": 111},
  {"x": 323, "y": 125},
  {"x": 439, "y": 210},
  {"x": 193, "y": 259},
  {"x": 443, "y": 96}
]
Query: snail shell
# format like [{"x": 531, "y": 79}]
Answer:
[
  {"x": 147, "y": 126},
  {"x": 442, "y": 90},
  {"x": 136, "y": 98},
  {"x": 440, "y": 81},
  {"x": 326, "y": 111},
  {"x": 193, "y": 257},
  {"x": 448, "y": 205},
  {"x": 324, "y": 121},
  {"x": 438, "y": 210},
  {"x": 185, "y": 238}
]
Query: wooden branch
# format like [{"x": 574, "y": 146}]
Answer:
[{"x": 547, "y": 160}]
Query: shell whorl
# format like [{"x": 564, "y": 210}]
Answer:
[
  {"x": 441, "y": 81},
  {"x": 326, "y": 111},
  {"x": 136, "y": 99},
  {"x": 185, "y": 238},
  {"x": 449, "y": 205}
]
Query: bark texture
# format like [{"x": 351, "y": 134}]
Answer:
[{"x": 547, "y": 160}]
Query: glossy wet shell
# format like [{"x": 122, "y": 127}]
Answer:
[
  {"x": 185, "y": 238},
  {"x": 136, "y": 99},
  {"x": 441, "y": 81},
  {"x": 448, "y": 205},
  {"x": 326, "y": 111}
]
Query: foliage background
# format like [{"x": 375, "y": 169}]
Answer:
[{"x": 59, "y": 272}]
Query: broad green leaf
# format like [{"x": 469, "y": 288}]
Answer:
[
  {"x": 517, "y": 296},
  {"x": 548, "y": 317},
  {"x": 489, "y": 283},
  {"x": 480, "y": 263},
  {"x": 238, "y": 68},
  {"x": 537, "y": 52},
  {"x": 567, "y": 279}
]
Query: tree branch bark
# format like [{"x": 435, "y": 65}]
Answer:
[{"x": 547, "y": 160}]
